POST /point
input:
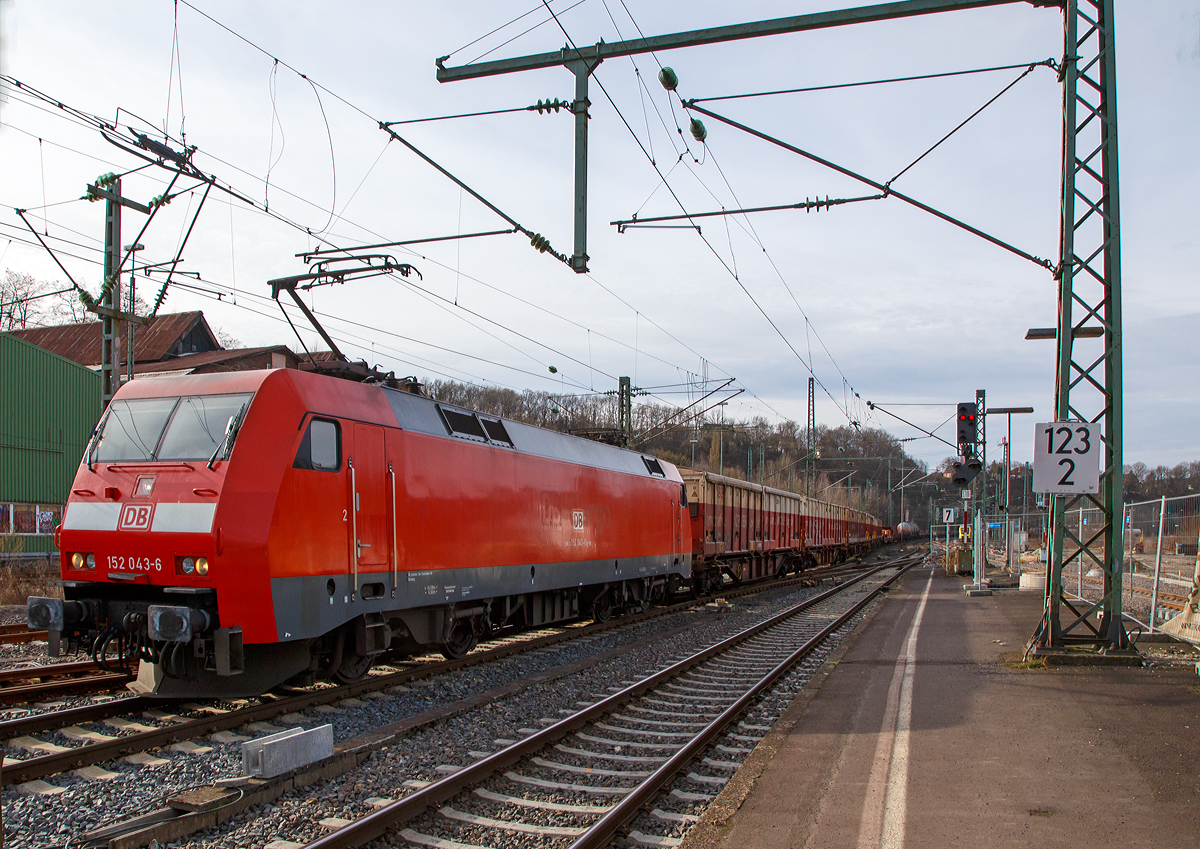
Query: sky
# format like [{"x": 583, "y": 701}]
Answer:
[{"x": 884, "y": 302}]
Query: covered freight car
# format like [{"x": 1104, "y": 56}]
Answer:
[{"x": 746, "y": 531}]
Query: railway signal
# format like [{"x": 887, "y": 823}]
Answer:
[
  {"x": 964, "y": 469},
  {"x": 968, "y": 421}
]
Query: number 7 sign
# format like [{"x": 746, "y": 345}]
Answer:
[{"x": 1066, "y": 458}]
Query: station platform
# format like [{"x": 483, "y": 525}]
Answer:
[{"x": 929, "y": 732}]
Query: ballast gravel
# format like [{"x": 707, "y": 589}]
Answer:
[{"x": 425, "y": 755}]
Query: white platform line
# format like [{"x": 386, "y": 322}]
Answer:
[{"x": 885, "y": 805}]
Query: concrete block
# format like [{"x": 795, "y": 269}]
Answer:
[
  {"x": 283, "y": 844},
  {"x": 129, "y": 725},
  {"x": 227, "y": 737},
  {"x": 334, "y": 823},
  {"x": 38, "y": 788},
  {"x": 39, "y": 747},
  {"x": 164, "y": 716},
  {"x": 82, "y": 735},
  {"x": 95, "y": 773},
  {"x": 287, "y": 750},
  {"x": 187, "y": 747},
  {"x": 145, "y": 759},
  {"x": 378, "y": 802},
  {"x": 263, "y": 728}
]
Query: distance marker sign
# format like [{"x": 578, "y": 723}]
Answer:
[{"x": 1066, "y": 458}]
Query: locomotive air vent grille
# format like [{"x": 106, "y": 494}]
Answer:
[
  {"x": 463, "y": 424},
  {"x": 496, "y": 431},
  {"x": 654, "y": 467}
]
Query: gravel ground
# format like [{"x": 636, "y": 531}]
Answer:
[
  {"x": 37, "y": 820},
  {"x": 84, "y": 804},
  {"x": 296, "y": 816},
  {"x": 11, "y": 614}
]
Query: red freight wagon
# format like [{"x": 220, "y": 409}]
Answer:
[
  {"x": 747, "y": 531},
  {"x": 241, "y": 529}
]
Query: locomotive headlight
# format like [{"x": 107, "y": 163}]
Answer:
[
  {"x": 91, "y": 561},
  {"x": 76, "y": 560},
  {"x": 202, "y": 566},
  {"x": 189, "y": 565}
]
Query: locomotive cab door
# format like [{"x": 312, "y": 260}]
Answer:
[{"x": 370, "y": 496}]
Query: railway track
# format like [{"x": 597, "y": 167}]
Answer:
[
  {"x": 19, "y": 633},
  {"x": 139, "y": 724},
  {"x": 24, "y": 684},
  {"x": 588, "y": 776},
  {"x": 1173, "y": 601}
]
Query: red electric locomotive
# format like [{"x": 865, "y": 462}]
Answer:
[{"x": 237, "y": 530}]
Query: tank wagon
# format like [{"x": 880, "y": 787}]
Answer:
[
  {"x": 746, "y": 531},
  {"x": 237, "y": 530}
]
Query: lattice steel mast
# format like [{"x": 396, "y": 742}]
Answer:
[{"x": 1088, "y": 382}]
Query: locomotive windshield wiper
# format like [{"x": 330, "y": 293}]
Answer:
[
  {"x": 94, "y": 443},
  {"x": 231, "y": 430}
]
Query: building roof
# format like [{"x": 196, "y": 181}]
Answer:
[
  {"x": 166, "y": 336},
  {"x": 225, "y": 360}
]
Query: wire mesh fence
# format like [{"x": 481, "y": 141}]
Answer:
[{"x": 1159, "y": 541}]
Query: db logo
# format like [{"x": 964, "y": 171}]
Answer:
[
  {"x": 577, "y": 520},
  {"x": 135, "y": 517}
]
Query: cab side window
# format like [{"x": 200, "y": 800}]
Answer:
[{"x": 321, "y": 447}]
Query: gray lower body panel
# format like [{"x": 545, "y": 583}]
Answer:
[{"x": 305, "y": 607}]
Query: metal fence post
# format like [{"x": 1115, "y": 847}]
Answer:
[{"x": 1162, "y": 513}]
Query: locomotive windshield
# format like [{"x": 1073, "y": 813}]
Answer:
[{"x": 160, "y": 429}]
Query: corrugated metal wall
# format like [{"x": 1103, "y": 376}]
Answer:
[{"x": 48, "y": 407}]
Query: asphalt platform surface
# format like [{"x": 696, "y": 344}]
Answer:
[{"x": 965, "y": 746}]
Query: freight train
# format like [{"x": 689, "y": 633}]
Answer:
[{"x": 234, "y": 531}]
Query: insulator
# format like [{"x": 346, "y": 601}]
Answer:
[
  {"x": 668, "y": 78},
  {"x": 540, "y": 242},
  {"x": 698, "y": 131}
]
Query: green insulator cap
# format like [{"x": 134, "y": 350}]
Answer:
[
  {"x": 553, "y": 370},
  {"x": 698, "y": 131},
  {"x": 668, "y": 78}
]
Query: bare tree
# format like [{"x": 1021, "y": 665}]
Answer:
[
  {"x": 20, "y": 300},
  {"x": 66, "y": 308},
  {"x": 228, "y": 341}
]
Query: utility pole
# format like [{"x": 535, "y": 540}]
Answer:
[
  {"x": 625, "y": 409},
  {"x": 1088, "y": 384},
  {"x": 1008, "y": 529},
  {"x": 721, "y": 455},
  {"x": 981, "y": 408},
  {"x": 109, "y": 308},
  {"x": 129, "y": 327},
  {"x": 810, "y": 460},
  {"x": 110, "y": 345}
]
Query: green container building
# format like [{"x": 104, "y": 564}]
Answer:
[{"x": 48, "y": 408}]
